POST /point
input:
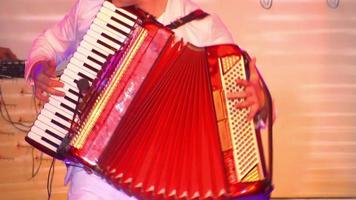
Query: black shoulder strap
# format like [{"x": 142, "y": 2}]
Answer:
[{"x": 195, "y": 15}]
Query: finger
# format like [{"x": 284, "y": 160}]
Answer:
[
  {"x": 242, "y": 82},
  {"x": 54, "y": 83},
  {"x": 48, "y": 81},
  {"x": 235, "y": 95},
  {"x": 40, "y": 95},
  {"x": 51, "y": 83},
  {"x": 53, "y": 91},
  {"x": 244, "y": 104},
  {"x": 253, "y": 111},
  {"x": 49, "y": 90}
]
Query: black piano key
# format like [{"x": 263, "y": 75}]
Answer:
[
  {"x": 50, "y": 142},
  {"x": 91, "y": 68},
  {"x": 59, "y": 124},
  {"x": 54, "y": 135},
  {"x": 99, "y": 54},
  {"x": 95, "y": 60},
  {"x": 117, "y": 30},
  {"x": 74, "y": 92},
  {"x": 85, "y": 77},
  {"x": 62, "y": 117},
  {"x": 67, "y": 107},
  {"x": 111, "y": 38},
  {"x": 121, "y": 22},
  {"x": 106, "y": 45},
  {"x": 70, "y": 99},
  {"x": 124, "y": 15}
]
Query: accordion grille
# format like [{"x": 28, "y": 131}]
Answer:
[{"x": 244, "y": 141}]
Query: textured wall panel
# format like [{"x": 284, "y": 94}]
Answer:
[{"x": 16, "y": 156}]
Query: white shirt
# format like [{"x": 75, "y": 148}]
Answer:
[{"x": 60, "y": 41}]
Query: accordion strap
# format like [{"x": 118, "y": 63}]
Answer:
[{"x": 195, "y": 15}]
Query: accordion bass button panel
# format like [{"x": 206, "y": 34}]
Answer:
[
  {"x": 238, "y": 139},
  {"x": 107, "y": 34}
]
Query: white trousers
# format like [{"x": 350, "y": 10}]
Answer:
[{"x": 84, "y": 186}]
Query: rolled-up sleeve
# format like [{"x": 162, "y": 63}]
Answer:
[{"x": 53, "y": 43}]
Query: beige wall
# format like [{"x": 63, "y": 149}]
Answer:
[{"x": 306, "y": 52}]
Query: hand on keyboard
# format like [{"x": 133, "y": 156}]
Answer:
[{"x": 44, "y": 77}]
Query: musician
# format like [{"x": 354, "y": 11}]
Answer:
[
  {"x": 7, "y": 54},
  {"x": 58, "y": 42}
]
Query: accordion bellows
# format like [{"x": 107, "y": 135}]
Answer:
[
  {"x": 156, "y": 121},
  {"x": 167, "y": 142}
]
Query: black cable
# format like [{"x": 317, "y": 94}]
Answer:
[
  {"x": 21, "y": 127},
  {"x": 18, "y": 125},
  {"x": 50, "y": 178},
  {"x": 33, "y": 171}
]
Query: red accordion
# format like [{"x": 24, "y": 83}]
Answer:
[
  {"x": 176, "y": 135},
  {"x": 156, "y": 121}
]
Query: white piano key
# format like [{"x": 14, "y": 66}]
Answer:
[
  {"x": 75, "y": 68},
  {"x": 43, "y": 126},
  {"x": 118, "y": 16},
  {"x": 34, "y": 136},
  {"x": 79, "y": 62},
  {"x": 64, "y": 101},
  {"x": 53, "y": 109},
  {"x": 51, "y": 115},
  {"x": 68, "y": 80},
  {"x": 46, "y": 120},
  {"x": 94, "y": 41},
  {"x": 68, "y": 92},
  {"x": 116, "y": 35},
  {"x": 108, "y": 19},
  {"x": 76, "y": 75},
  {"x": 82, "y": 69},
  {"x": 72, "y": 75},
  {"x": 85, "y": 59},
  {"x": 105, "y": 26},
  {"x": 58, "y": 105},
  {"x": 97, "y": 47},
  {"x": 103, "y": 39},
  {"x": 46, "y": 135},
  {"x": 113, "y": 7},
  {"x": 86, "y": 52}
]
